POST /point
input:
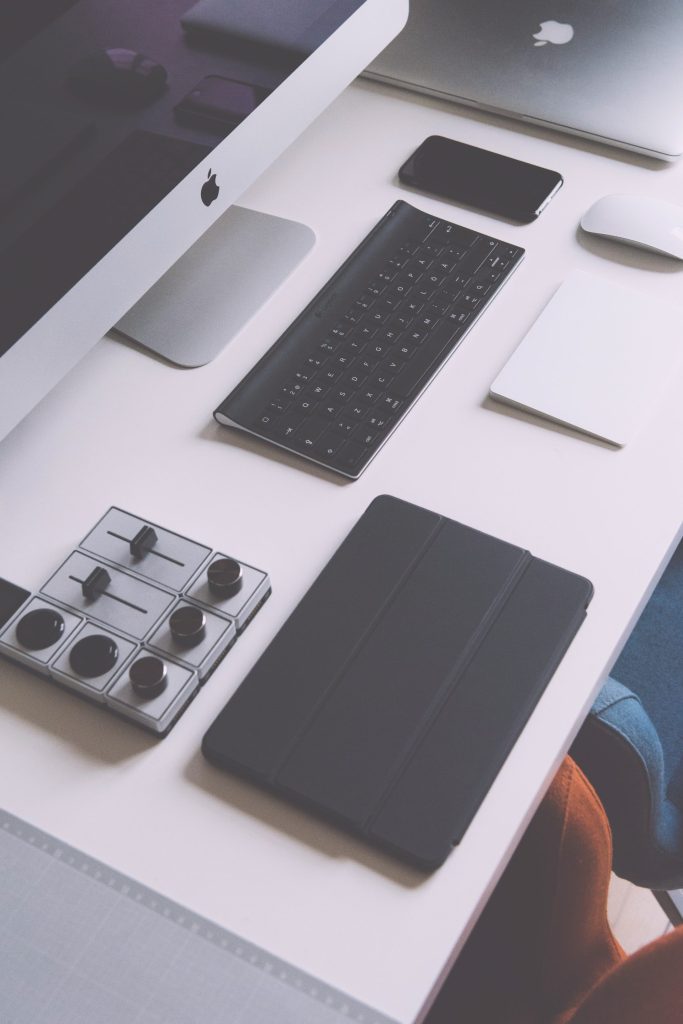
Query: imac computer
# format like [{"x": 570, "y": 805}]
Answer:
[{"x": 128, "y": 130}]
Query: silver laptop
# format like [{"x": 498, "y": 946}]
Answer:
[{"x": 609, "y": 70}]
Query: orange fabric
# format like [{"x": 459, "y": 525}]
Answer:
[
  {"x": 646, "y": 989},
  {"x": 579, "y": 941},
  {"x": 543, "y": 940}
]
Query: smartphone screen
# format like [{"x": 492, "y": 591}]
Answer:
[{"x": 480, "y": 178}]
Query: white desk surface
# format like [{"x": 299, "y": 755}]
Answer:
[{"x": 126, "y": 429}]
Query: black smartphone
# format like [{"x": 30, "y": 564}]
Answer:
[{"x": 477, "y": 177}]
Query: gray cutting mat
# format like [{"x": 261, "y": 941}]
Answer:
[{"x": 82, "y": 944}]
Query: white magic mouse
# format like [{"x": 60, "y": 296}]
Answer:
[{"x": 638, "y": 220}]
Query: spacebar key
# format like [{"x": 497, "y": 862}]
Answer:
[{"x": 437, "y": 344}]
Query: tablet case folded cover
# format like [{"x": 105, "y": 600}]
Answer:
[{"x": 392, "y": 695}]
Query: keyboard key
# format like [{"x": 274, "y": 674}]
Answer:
[
  {"x": 343, "y": 395},
  {"x": 310, "y": 431},
  {"x": 356, "y": 345},
  {"x": 266, "y": 421},
  {"x": 345, "y": 426},
  {"x": 402, "y": 286},
  {"x": 367, "y": 437},
  {"x": 434, "y": 311},
  {"x": 277, "y": 407},
  {"x": 369, "y": 395},
  {"x": 409, "y": 248},
  {"x": 454, "y": 285},
  {"x": 469, "y": 300},
  {"x": 377, "y": 421},
  {"x": 366, "y": 333},
  {"x": 411, "y": 306},
  {"x": 388, "y": 303},
  {"x": 304, "y": 405},
  {"x": 287, "y": 424},
  {"x": 435, "y": 279},
  {"x": 341, "y": 361},
  {"x": 451, "y": 235},
  {"x": 397, "y": 262},
  {"x": 390, "y": 403},
  {"x": 478, "y": 253},
  {"x": 399, "y": 321},
  {"x": 380, "y": 381},
  {"x": 367, "y": 363},
  {"x": 459, "y": 317},
  {"x": 423, "y": 292},
  {"x": 354, "y": 378},
  {"x": 378, "y": 349},
  {"x": 329, "y": 445},
  {"x": 454, "y": 253},
  {"x": 351, "y": 455},
  {"x": 438, "y": 342},
  {"x": 487, "y": 275},
  {"x": 438, "y": 304}
]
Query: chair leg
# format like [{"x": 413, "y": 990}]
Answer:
[{"x": 671, "y": 903}]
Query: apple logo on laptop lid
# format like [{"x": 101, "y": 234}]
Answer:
[{"x": 553, "y": 32}]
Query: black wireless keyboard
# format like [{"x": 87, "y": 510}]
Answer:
[{"x": 344, "y": 374}]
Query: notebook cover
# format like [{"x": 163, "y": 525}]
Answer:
[{"x": 392, "y": 695}]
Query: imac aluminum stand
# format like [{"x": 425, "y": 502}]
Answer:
[{"x": 202, "y": 302}]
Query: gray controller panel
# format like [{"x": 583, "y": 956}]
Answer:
[{"x": 137, "y": 618}]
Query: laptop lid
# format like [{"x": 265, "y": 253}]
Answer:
[{"x": 611, "y": 70}]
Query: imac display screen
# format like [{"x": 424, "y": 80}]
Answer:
[{"x": 106, "y": 105}]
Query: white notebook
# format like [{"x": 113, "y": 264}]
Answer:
[{"x": 597, "y": 358}]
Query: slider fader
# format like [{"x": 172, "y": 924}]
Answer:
[{"x": 136, "y": 618}]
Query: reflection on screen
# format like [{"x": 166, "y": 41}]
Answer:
[{"x": 105, "y": 107}]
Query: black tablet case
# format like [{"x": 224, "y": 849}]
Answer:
[{"x": 392, "y": 695}]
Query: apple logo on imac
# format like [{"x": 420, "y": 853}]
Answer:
[
  {"x": 210, "y": 189},
  {"x": 554, "y": 32}
]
